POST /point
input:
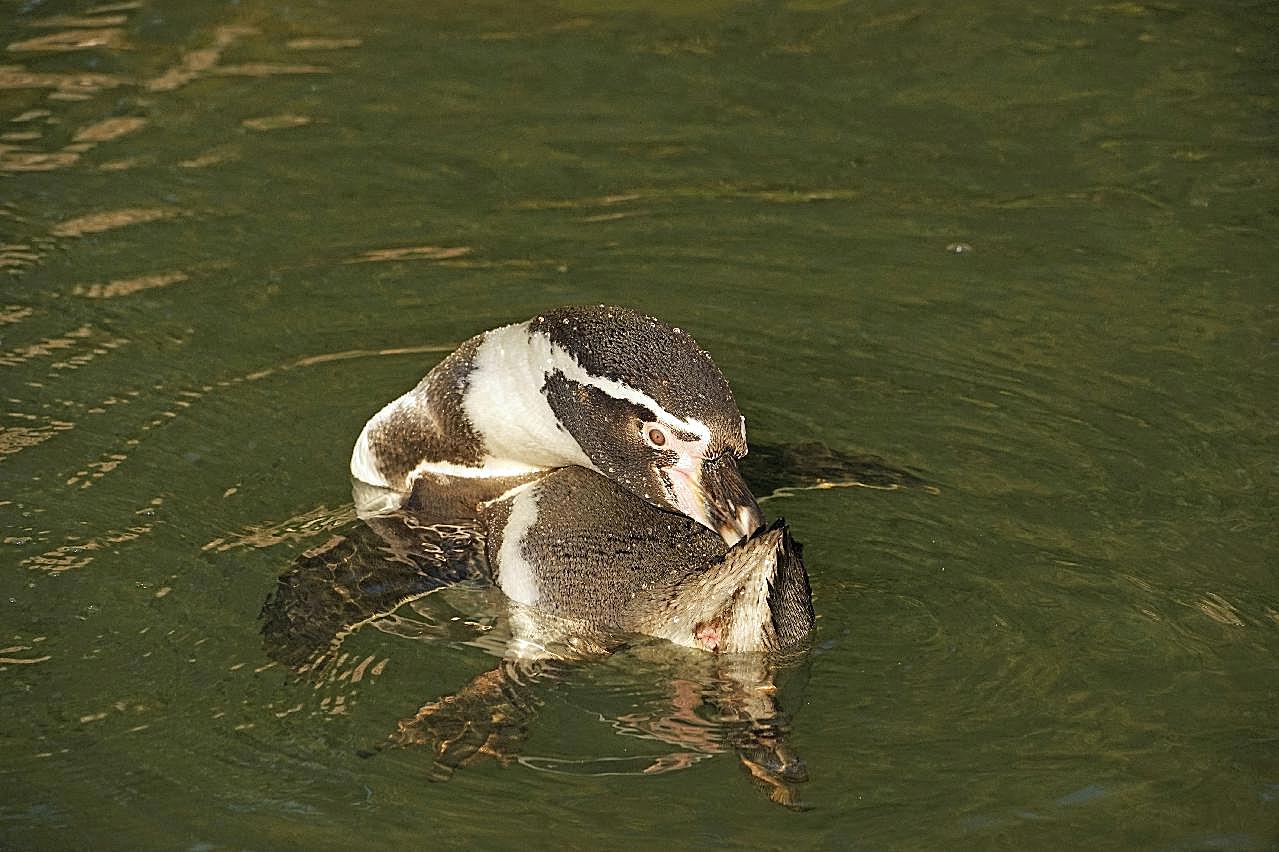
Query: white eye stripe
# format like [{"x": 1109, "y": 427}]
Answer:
[
  {"x": 617, "y": 390},
  {"x": 553, "y": 358},
  {"x": 689, "y": 437}
]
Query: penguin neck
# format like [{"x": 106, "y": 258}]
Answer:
[
  {"x": 504, "y": 403},
  {"x": 480, "y": 413}
]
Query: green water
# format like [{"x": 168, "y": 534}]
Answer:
[{"x": 1026, "y": 251}]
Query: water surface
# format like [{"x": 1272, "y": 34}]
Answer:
[{"x": 1025, "y": 251}]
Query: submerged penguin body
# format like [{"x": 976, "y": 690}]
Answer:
[{"x": 576, "y": 547}]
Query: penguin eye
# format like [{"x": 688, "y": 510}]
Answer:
[{"x": 656, "y": 437}]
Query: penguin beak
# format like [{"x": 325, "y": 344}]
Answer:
[{"x": 715, "y": 495}]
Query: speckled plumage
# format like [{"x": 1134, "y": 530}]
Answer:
[{"x": 595, "y": 555}]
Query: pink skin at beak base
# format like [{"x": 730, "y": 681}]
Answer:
[{"x": 690, "y": 498}]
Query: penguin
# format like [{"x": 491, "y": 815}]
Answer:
[
  {"x": 584, "y": 560},
  {"x": 603, "y": 388}
]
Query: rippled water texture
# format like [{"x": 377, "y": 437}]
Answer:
[{"x": 1027, "y": 252}]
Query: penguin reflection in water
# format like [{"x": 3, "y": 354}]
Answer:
[
  {"x": 586, "y": 567},
  {"x": 586, "y": 462}
]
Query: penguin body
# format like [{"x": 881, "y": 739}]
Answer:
[
  {"x": 603, "y": 388},
  {"x": 576, "y": 548}
]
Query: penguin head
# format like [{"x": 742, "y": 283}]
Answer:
[{"x": 652, "y": 412}]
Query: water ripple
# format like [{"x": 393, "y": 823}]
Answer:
[
  {"x": 109, "y": 220},
  {"x": 70, "y": 40}
]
